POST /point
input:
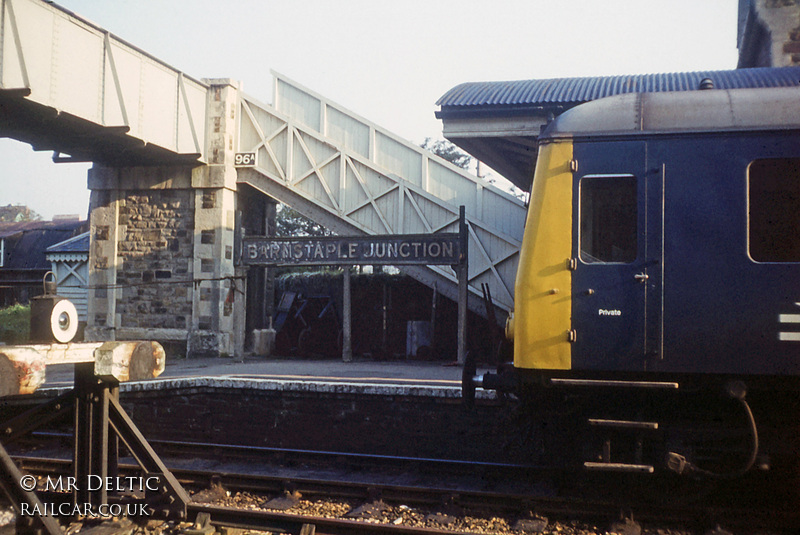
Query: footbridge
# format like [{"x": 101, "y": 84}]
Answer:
[
  {"x": 357, "y": 178},
  {"x": 167, "y": 152}
]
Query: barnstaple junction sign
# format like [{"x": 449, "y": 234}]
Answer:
[
  {"x": 394, "y": 249},
  {"x": 436, "y": 249}
]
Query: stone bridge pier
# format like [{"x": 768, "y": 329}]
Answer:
[{"x": 162, "y": 246}]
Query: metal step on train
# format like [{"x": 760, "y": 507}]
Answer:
[{"x": 621, "y": 430}]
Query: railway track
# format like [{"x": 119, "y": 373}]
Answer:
[
  {"x": 239, "y": 501},
  {"x": 242, "y": 492}
]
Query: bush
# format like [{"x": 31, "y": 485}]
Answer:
[{"x": 15, "y": 324}]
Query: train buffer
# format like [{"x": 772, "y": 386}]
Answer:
[{"x": 101, "y": 426}]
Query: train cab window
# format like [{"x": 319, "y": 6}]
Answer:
[
  {"x": 608, "y": 219},
  {"x": 774, "y": 210}
]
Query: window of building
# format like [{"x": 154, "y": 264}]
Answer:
[
  {"x": 608, "y": 218},
  {"x": 774, "y": 210}
]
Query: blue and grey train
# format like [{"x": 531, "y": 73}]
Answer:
[{"x": 657, "y": 306}]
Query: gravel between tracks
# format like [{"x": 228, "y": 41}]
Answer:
[{"x": 458, "y": 522}]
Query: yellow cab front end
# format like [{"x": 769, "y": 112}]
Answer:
[{"x": 540, "y": 324}]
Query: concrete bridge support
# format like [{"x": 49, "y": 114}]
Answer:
[{"x": 162, "y": 246}]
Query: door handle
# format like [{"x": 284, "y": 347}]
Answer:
[{"x": 641, "y": 277}]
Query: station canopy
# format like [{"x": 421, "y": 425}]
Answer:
[{"x": 499, "y": 122}]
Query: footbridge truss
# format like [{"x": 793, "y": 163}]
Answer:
[{"x": 354, "y": 177}]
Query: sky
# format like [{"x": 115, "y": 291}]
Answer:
[{"x": 388, "y": 61}]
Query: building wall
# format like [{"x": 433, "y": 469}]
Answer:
[
  {"x": 70, "y": 286},
  {"x": 23, "y": 246},
  {"x": 769, "y": 33}
]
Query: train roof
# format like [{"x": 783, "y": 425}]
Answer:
[
  {"x": 685, "y": 111},
  {"x": 522, "y": 97}
]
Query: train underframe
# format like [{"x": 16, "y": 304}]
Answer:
[{"x": 696, "y": 435}]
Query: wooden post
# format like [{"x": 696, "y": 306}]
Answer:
[
  {"x": 239, "y": 311},
  {"x": 433, "y": 317},
  {"x": 463, "y": 280},
  {"x": 385, "y": 323},
  {"x": 347, "y": 347}
]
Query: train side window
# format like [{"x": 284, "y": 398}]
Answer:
[
  {"x": 774, "y": 210},
  {"x": 608, "y": 219}
]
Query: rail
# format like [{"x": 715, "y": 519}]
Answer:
[{"x": 359, "y": 486}]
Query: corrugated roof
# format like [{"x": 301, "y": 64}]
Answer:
[{"x": 568, "y": 92}]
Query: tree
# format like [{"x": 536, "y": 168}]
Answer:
[
  {"x": 17, "y": 213},
  {"x": 448, "y": 151},
  {"x": 290, "y": 222}
]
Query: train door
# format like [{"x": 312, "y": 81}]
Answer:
[{"x": 616, "y": 257}]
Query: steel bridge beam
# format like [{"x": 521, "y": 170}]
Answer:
[{"x": 70, "y": 86}]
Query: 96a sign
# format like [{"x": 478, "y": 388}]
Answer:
[{"x": 245, "y": 159}]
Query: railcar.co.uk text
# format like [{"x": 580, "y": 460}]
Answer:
[{"x": 92, "y": 483}]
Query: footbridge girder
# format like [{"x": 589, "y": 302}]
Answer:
[
  {"x": 357, "y": 178},
  {"x": 69, "y": 86}
]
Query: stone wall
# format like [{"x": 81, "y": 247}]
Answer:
[
  {"x": 155, "y": 254},
  {"x": 402, "y": 425},
  {"x": 141, "y": 267},
  {"x": 770, "y": 33}
]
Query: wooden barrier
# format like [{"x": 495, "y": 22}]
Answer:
[{"x": 23, "y": 367}]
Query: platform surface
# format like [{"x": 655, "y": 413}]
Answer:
[{"x": 395, "y": 372}]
